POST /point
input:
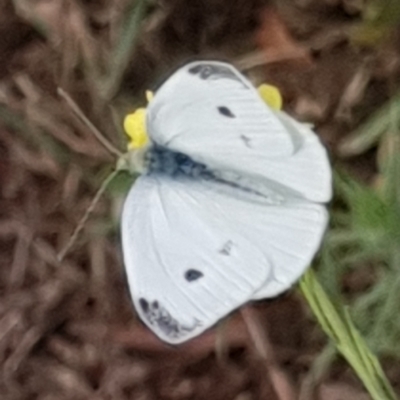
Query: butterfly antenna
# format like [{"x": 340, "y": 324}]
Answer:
[
  {"x": 89, "y": 210},
  {"x": 100, "y": 137}
]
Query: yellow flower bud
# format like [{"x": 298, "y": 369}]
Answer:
[
  {"x": 271, "y": 95},
  {"x": 135, "y": 128}
]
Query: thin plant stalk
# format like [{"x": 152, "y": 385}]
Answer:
[
  {"x": 99, "y": 136},
  {"x": 82, "y": 222}
]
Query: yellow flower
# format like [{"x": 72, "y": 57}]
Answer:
[
  {"x": 271, "y": 95},
  {"x": 135, "y": 126}
]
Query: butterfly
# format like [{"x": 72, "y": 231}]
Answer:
[{"x": 231, "y": 206}]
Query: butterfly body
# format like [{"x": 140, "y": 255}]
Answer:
[
  {"x": 230, "y": 207},
  {"x": 162, "y": 160}
]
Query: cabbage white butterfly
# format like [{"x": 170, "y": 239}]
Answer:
[{"x": 231, "y": 204}]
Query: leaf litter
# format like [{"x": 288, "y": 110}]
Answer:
[{"x": 68, "y": 329}]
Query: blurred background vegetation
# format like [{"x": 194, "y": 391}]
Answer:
[{"x": 67, "y": 329}]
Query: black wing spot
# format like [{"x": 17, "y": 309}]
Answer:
[
  {"x": 226, "y": 112},
  {"x": 144, "y": 304},
  {"x": 215, "y": 72},
  {"x": 159, "y": 317},
  {"x": 195, "y": 70},
  {"x": 192, "y": 275},
  {"x": 204, "y": 71}
]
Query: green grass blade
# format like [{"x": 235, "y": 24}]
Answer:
[
  {"x": 125, "y": 44},
  {"x": 338, "y": 326},
  {"x": 369, "y": 133}
]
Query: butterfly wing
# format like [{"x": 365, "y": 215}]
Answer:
[
  {"x": 194, "y": 251},
  {"x": 210, "y": 112}
]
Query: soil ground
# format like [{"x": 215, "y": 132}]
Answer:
[{"x": 68, "y": 330}]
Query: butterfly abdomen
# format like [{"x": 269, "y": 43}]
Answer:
[{"x": 162, "y": 160}]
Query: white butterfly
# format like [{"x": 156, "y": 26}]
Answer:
[{"x": 231, "y": 208}]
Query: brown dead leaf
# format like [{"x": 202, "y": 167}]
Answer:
[
  {"x": 275, "y": 40},
  {"x": 310, "y": 110},
  {"x": 354, "y": 92}
]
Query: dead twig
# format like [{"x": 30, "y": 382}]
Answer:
[{"x": 280, "y": 382}]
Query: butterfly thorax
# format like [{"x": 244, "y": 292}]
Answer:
[{"x": 160, "y": 159}]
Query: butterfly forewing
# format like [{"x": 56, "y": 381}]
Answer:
[
  {"x": 218, "y": 119},
  {"x": 183, "y": 254}
]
